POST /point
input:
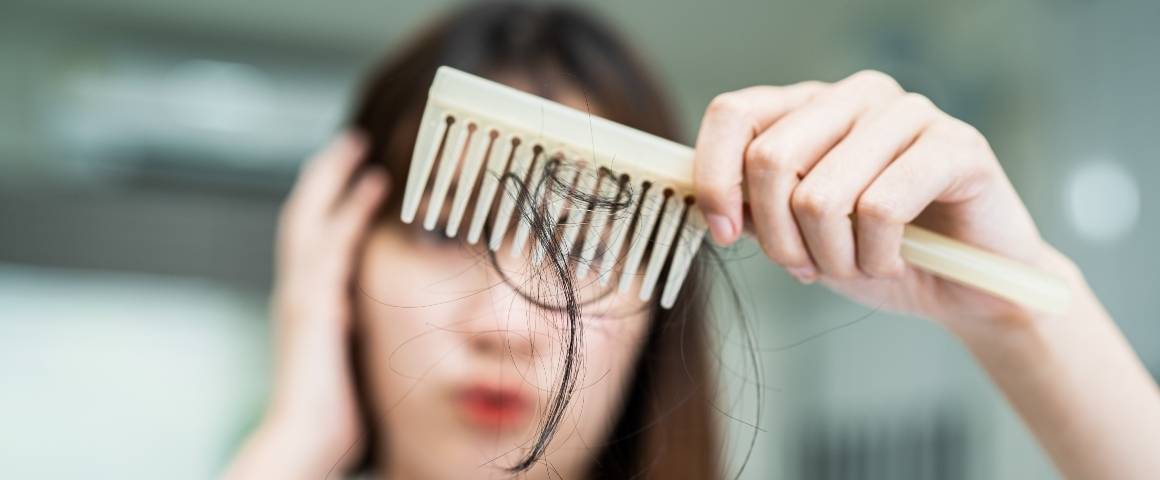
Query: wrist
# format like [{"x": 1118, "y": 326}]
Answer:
[
  {"x": 301, "y": 447},
  {"x": 1007, "y": 319}
]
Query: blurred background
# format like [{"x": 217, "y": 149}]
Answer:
[{"x": 145, "y": 146}]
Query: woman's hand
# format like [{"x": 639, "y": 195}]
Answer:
[
  {"x": 312, "y": 424},
  {"x": 834, "y": 171}
]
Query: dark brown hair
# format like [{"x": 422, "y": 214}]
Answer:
[{"x": 666, "y": 427}]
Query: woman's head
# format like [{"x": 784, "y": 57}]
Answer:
[{"x": 475, "y": 364}]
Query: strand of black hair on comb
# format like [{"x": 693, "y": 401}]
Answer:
[
  {"x": 541, "y": 225},
  {"x": 539, "y": 207}
]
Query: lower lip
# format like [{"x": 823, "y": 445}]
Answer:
[{"x": 494, "y": 411}]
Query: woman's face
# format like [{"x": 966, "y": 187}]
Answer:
[{"x": 462, "y": 367}]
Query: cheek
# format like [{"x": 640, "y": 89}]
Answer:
[
  {"x": 400, "y": 343},
  {"x": 614, "y": 343},
  {"x": 612, "y": 346},
  {"x": 385, "y": 303},
  {"x": 422, "y": 314},
  {"x": 410, "y": 369},
  {"x": 402, "y": 300}
]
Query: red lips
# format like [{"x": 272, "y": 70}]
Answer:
[{"x": 494, "y": 408}]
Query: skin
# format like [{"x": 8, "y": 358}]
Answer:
[
  {"x": 450, "y": 321},
  {"x": 434, "y": 317},
  {"x": 832, "y": 173}
]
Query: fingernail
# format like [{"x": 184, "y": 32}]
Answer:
[
  {"x": 720, "y": 227},
  {"x": 806, "y": 274}
]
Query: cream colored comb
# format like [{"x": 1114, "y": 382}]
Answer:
[{"x": 479, "y": 127}]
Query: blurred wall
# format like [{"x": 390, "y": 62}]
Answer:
[{"x": 145, "y": 147}]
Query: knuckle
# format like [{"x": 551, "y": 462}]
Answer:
[
  {"x": 814, "y": 202},
  {"x": 815, "y": 84},
  {"x": 876, "y": 208},
  {"x": 875, "y": 79},
  {"x": 963, "y": 133},
  {"x": 767, "y": 156},
  {"x": 971, "y": 135},
  {"x": 726, "y": 104},
  {"x": 917, "y": 102},
  {"x": 967, "y": 150}
]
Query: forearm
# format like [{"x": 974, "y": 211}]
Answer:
[
  {"x": 308, "y": 430},
  {"x": 1078, "y": 386}
]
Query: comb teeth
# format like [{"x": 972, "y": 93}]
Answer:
[
  {"x": 646, "y": 219},
  {"x": 533, "y": 195},
  {"x": 619, "y": 233},
  {"x": 585, "y": 190},
  {"x": 452, "y": 153},
  {"x": 497, "y": 159},
  {"x": 470, "y": 136},
  {"x": 480, "y": 144},
  {"x": 555, "y": 204},
  {"x": 511, "y": 188},
  {"x": 606, "y": 188}
]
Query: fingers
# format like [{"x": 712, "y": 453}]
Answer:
[
  {"x": 825, "y": 198},
  {"x": 931, "y": 169},
  {"x": 827, "y": 153},
  {"x": 787, "y": 151},
  {"x": 731, "y": 122},
  {"x": 354, "y": 213},
  {"x": 329, "y": 211},
  {"x": 326, "y": 176}
]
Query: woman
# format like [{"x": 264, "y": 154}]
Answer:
[{"x": 407, "y": 354}]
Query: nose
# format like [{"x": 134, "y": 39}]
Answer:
[
  {"x": 504, "y": 344},
  {"x": 511, "y": 313},
  {"x": 501, "y": 326}
]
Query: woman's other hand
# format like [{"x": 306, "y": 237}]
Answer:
[
  {"x": 834, "y": 172},
  {"x": 312, "y": 422}
]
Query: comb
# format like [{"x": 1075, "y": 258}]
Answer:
[{"x": 475, "y": 132}]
